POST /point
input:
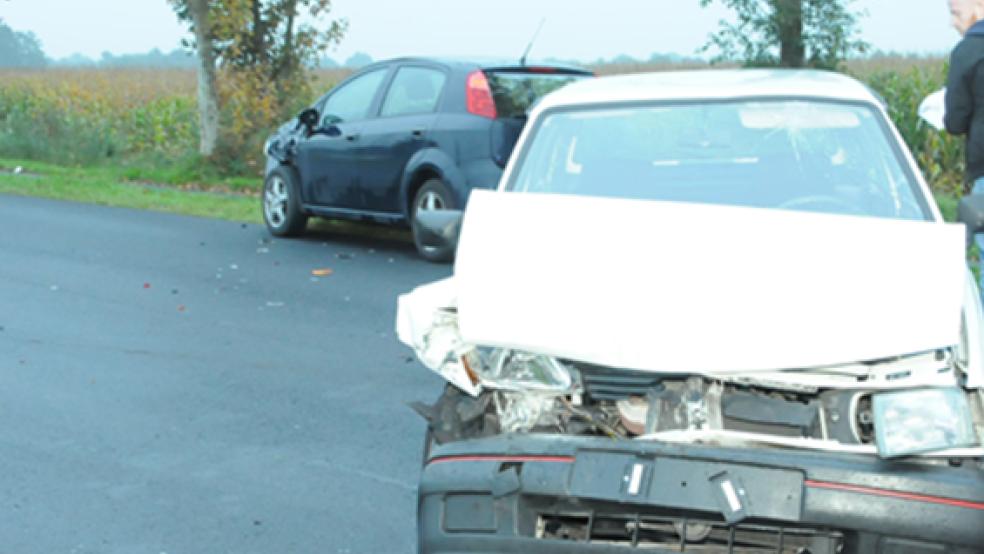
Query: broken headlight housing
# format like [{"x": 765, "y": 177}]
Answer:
[
  {"x": 922, "y": 420},
  {"x": 518, "y": 371}
]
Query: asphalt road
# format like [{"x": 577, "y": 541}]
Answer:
[{"x": 177, "y": 385}]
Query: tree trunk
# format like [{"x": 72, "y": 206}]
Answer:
[
  {"x": 208, "y": 98},
  {"x": 287, "y": 62},
  {"x": 789, "y": 20},
  {"x": 259, "y": 54}
]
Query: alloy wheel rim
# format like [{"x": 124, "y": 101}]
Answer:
[
  {"x": 275, "y": 200},
  {"x": 428, "y": 201}
]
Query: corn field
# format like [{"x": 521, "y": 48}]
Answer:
[{"x": 100, "y": 116}]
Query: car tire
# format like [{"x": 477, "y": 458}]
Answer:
[
  {"x": 433, "y": 194},
  {"x": 281, "y": 203}
]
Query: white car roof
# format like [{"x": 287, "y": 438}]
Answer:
[{"x": 710, "y": 85}]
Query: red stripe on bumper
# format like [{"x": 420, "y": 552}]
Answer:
[
  {"x": 895, "y": 494},
  {"x": 501, "y": 458}
]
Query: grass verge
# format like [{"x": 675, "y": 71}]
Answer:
[
  {"x": 234, "y": 199},
  {"x": 105, "y": 186}
]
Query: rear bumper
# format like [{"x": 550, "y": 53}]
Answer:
[{"x": 522, "y": 493}]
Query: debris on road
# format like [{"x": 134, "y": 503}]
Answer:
[
  {"x": 344, "y": 256},
  {"x": 322, "y": 272},
  {"x": 271, "y": 304},
  {"x": 146, "y": 285}
]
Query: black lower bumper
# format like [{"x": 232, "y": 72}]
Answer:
[{"x": 537, "y": 493}]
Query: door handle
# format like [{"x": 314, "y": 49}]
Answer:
[
  {"x": 417, "y": 133},
  {"x": 353, "y": 137}
]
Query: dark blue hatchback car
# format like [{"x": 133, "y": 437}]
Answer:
[{"x": 401, "y": 136}]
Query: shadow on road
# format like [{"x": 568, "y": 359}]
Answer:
[{"x": 359, "y": 235}]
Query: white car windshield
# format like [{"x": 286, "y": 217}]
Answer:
[{"x": 801, "y": 155}]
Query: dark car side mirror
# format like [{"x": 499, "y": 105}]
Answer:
[
  {"x": 438, "y": 228},
  {"x": 309, "y": 119},
  {"x": 971, "y": 213}
]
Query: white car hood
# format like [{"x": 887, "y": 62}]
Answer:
[{"x": 666, "y": 286}]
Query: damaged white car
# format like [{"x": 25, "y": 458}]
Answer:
[{"x": 705, "y": 311}]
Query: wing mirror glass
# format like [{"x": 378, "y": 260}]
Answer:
[{"x": 438, "y": 228}]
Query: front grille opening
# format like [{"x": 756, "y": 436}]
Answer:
[{"x": 686, "y": 535}]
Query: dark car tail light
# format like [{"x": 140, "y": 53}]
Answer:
[{"x": 478, "y": 95}]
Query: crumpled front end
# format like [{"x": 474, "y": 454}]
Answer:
[
  {"x": 880, "y": 407},
  {"x": 535, "y": 453}
]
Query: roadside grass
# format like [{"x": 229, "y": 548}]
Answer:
[
  {"x": 103, "y": 186},
  {"x": 233, "y": 199}
]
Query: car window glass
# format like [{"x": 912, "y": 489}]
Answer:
[
  {"x": 798, "y": 155},
  {"x": 516, "y": 92},
  {"x": 414, "y": 90},
  {"x": 352, "y": 101}
]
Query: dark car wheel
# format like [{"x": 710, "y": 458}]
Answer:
[
  {"x": 282, "y": 203},
  {"x": 433, "y": 195}
]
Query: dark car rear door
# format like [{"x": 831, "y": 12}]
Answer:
[
  {"x": 327, "y": 161},
  {"x": 387, "y": 142}
]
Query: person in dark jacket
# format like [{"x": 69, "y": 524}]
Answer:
[{"x": 965, "y": 94}]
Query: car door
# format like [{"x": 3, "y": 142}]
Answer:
[
  {"x": 327, "y": 160},
  {"x": 407, "y": 114}
]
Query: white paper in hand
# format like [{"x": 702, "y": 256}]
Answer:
[{"x": 932, "y": 108}]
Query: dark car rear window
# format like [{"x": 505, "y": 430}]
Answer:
[{"x": 515, "y": 92}]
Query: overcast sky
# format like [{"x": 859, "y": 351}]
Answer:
[{"x": 575, "y": 29}]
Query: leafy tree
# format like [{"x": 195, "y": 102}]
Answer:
[
  {"x": 256, "y": 53},
  {"x": 19, "y": 49},
  {"x": 788, "y": 33}
]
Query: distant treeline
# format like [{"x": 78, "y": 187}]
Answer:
[
  {"x": 180, "y": 58},
  {"x": 20, "y": 49},
  {"x": 177, "y": 58}
]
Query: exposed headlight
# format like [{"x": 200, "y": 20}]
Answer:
[
  {"x": 521, "y": 371},
  {"x": 924, "y": 420}
]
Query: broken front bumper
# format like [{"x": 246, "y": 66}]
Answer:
[{"x": 538, "y": 493}]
